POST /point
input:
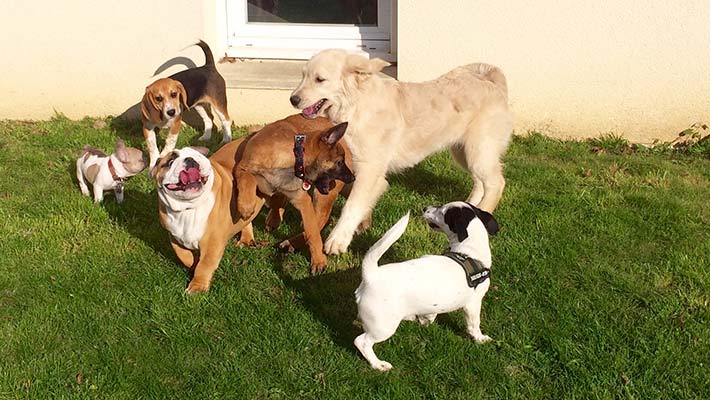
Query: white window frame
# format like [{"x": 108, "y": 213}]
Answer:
[{"x": 301, "y": 41}]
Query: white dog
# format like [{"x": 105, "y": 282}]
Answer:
[
  {"x": 395, "y": 125},
  {"x": 107, "y": 172},
  {"x": 430, "y": 285}
]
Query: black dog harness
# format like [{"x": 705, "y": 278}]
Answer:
[
  {"x": 476, "y": 273},
  {"x": 299, "y": 168}
]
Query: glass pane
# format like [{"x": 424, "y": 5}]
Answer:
[{"x": 346, "y": 12}]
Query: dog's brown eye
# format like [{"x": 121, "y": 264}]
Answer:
[
  {"x": 319, "y": 79},
  {"x": 173, "y": 94},
  {"x": 158, "y": 98}
]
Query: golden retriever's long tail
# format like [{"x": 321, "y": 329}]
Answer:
[{"x": 493, "y": 74}]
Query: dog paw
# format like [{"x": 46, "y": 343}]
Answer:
[
  {"x": 286, "y": 247},
  {"x": 196, "y": 287},
  {"x": 205, "y": 136},
  {"x": 337, "y": 243},
  {"x": 480, "y": 339},
  {"x": 426, "y": 320},
  {"x": 383, "y": 366},
  {"x": 226, "y": 140},
  {"x": 318, "y": 264},
  {"x": 273, "y": 220}
]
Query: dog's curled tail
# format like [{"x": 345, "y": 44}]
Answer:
[
  {"x": 209, "y": 58},
  {"x": 493, "y": 74},
  {"x": 369, "y": 263}
]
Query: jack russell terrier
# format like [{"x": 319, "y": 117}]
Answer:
[
  {"x": 433, "y": 284},
  {"x": 165, "y": 100},
  {"x": 108, "y": 172}
]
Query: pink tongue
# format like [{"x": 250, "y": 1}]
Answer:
[
  {"x": 310, "y": 110},
  {"x": 189, "y": 176}
]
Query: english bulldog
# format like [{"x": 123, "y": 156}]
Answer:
[
  {"x": 429, "y": 285},
  {"x": 197, "y": 206}
]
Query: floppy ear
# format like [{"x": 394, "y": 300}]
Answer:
[
  {"x": 183, "y": 95},
  {"x": 458, "y": 218},
  {"x": 121, "y": 151},
  {"x": 489, "y": 222},
  {"x": 150, "y": 110},
  {"x": 360, "y": 65},
  {"x": 202, "y": 150},
  {"x": 332, "y": 135}
]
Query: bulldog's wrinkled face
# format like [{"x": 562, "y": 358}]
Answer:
[
  {"x": 183, "y": 174},
  {"x": 456, "y": 219}
]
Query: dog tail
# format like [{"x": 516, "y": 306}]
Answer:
[
  {"x": 493, "y": 74},
  {"x": 209, "y": 58},
  {"x": 369, "y": 263}
]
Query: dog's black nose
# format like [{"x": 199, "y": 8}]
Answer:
[
  {"x": 191, "y": 163},
  {"x": 171, "y": 112},
  {"x": 295, "y": 100}
]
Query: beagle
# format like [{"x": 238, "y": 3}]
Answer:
[{"x": 166, "y": 99}]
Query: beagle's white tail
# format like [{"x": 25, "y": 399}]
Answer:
[{"x": 369, "y": 263}]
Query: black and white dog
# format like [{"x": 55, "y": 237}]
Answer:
[{"x": 430, "y": 285}]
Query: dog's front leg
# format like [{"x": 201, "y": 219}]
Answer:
[
  {"x": 311, "y": 230},
  {"x": 171, "y": 140},
  {"x": 323, "y": 205},
  {"x": 210, "y": 256},
  {"x": 149, "y": 136},
  {"x": 186, "y": 256},
  {"x": 367, "y": 189},
  {"x": 247, "y": 198}
]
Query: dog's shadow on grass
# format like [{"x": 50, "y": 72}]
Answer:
[{"x": 442, "y": 186}]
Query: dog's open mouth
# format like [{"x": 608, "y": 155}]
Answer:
[
  {"x": 190, "y": 180},
  {"x": 312, "y": 110},
  {"x": 432, "y": 225}
]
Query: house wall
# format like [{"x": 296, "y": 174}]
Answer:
[
  {"x": 86, "y": 57},
  {"x": 640, "y": 68},
  {"x": 637, "y": 68}
]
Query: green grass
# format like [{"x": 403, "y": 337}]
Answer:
[{"x": 600, "y": 286}]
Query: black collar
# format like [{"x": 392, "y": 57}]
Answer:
[
  {"x": 299, "y": 168},
  {"x": 476, "y": 272}
]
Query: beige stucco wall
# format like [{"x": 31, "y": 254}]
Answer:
[
  {"x": 82, "y": 57},
  {"x": 637, "y": 68},
  {"x": 640, "y": 68}
]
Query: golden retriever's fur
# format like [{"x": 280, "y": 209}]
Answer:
[{"x": 395, "y": 125}]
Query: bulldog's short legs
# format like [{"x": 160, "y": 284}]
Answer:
[
  {"x": 80, "y": 178},
  {"x": 186, "y": 256},
  {"x": 367, "y": 189},
  {"x": 277, "y": 206},
  {"x": 153, "y": 154},
  {"x": 247, "y": 198},
  {"x": 171, "y": 140},
  {"x": 323, "y": 205},
  {"x": 205, "y": 120},
  {"x": 210, "y": 257},
  {"x": 311, "y": 229},
  {"x": 473, "y": 321},
  {"x": 119, "y": 195},
  {"x": 98, "y": 193}
]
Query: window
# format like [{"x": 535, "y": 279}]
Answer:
[{"x": 296, "y": 29}]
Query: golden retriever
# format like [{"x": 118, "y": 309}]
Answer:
[{"x": 395, "y": 125}]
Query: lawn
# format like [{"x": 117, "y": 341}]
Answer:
[{"x": 600, "y": 286}]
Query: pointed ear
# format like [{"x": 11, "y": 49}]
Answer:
[
  {"x": 202, "y": 150},
  {"x": 458, "y": 218},
  {"x": 183, "y": 95},
  {"x": 360, "y": 65},
  {"x": 149, "y": 110},
  {"x": 332, "y": 135},
  {"x": 489, "y": 222},
  {"x": 120, "y": 151}
]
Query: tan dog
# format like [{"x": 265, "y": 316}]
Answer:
[
  {"x": 197, "y": 207},
  {"x": 395, "y": 125},
  {"x": 272, "y": 160},
  {"x": 166, "y": 99}
]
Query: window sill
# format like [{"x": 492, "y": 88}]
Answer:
[{"x": 270, "y": 74}]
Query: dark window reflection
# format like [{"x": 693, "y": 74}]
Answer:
[{"x": 351, "y": 12}]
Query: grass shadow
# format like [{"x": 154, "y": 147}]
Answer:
[{"x": 423, "y": 180}]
